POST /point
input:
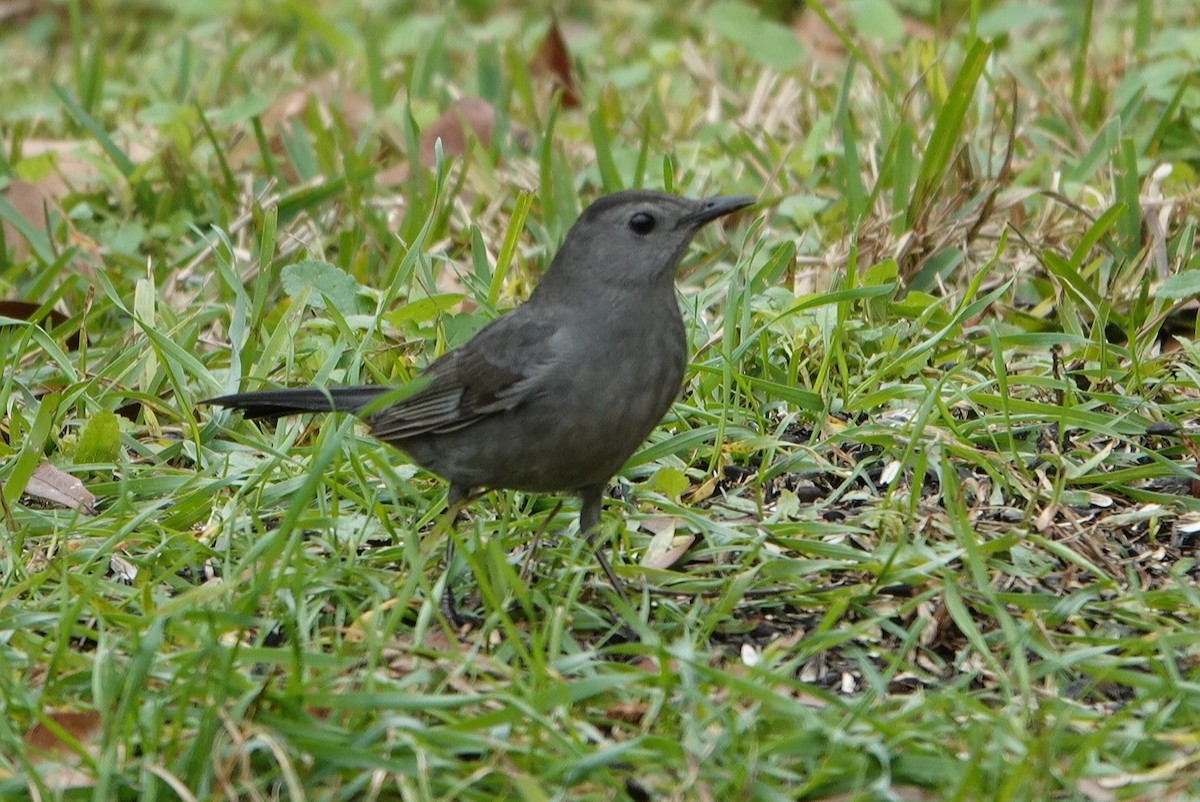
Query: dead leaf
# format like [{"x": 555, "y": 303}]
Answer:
[
  {"x": 703, "y": 491},
  {"x": 56, "y": 757},
  {"x": 660, "y": 523},
  {"x": 19, "y": 12},
  {"x": 354, "y": 109},
  {"x": 819, "y": 39},
  {"x": 553, "y": 61},
  {"x": 824, "y": 45},
  {"x": 25, "y": 310},
  {"x": 627, "y": 712},
  {"x": 82, "y": 725},
  {"x": 31, "y": 202},
  {"x": 392, "y": 176},
  {"x": 76, "y": 163},
  {"x": 465, "y": 118},
  {"x": 63, "y": 166},
  {"x": 1094, "y": 791},
  {"x": 1045, "y": 518},
  {"x": 666, "y": 548},
  {"x": 326, "y": 95},
  {"x": 123, "y": 570},
  {"x": 58, "y": 487}
]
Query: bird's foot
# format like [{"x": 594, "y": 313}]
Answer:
[{"x": 454, "y": 617}]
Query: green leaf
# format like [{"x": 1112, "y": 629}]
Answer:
[
  {"x": 951, "y": 118},
  {"x": 1179, "y": 286},
  {"x": 93, "y": 127},
  {"x": 878, "y": 19},
  {"x": 99, "y": 440},
  {"x": 32, "y": 447},
  {"x": 671, "y": 482},
  {"x": 321, "y": 282},
  {"x": 1005, "y": 19},
  {"x": 880, "y": 273},
  {"x": 764, "y": 41},
  {"x": 424, "y": 309}
]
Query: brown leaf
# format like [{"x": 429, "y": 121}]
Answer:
[
  {"x": 82, "y": 725},
  {"x": 553, "y": 61},
  {"x": 656, "y": 524},
  {"x": 666, "y": 548},
  {"x": 56, "y": 486},
  {"x": 392, "y": 176},
  {"x": 466, "y": 117},
  {"x": 71, "y": 168},
  {"x": 702, "y": 491},
  {"x": 56, "y": 757},
  {"x": 31, "y": 202},
  {"x": 25, "y": 310},
  {"x": 19, "y": 12},
  {"x": 819, "y": 40},
  {"x": 325, "y": 94},
  {"x": 77, "y": 163},
  {"x": 355, "y": 109},
  {"x": 628, "y": 712}
]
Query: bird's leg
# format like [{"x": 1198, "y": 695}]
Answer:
[
  {"x": 589, "y": 527},
  {"x": 455, "y": 501}
]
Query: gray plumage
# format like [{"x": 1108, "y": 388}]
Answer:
[{"x": 557, "y": 394}]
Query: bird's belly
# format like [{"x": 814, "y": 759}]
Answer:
[{"x": 575, "y": 433}]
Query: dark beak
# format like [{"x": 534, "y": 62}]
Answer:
[{"x": 712, "y": 208}]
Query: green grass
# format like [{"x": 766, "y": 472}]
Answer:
[{"x": 936, "y": 448}]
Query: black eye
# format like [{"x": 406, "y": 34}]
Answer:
[{"x": 642, "y": 223}]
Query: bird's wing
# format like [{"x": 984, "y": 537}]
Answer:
[{"x": 496, "y": 370}]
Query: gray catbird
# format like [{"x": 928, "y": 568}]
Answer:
[{"x": 555, "y": 395}]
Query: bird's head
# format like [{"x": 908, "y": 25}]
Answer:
[{"x": 634, "y": 238}]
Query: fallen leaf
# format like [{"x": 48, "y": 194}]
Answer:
[
  {"x": 55, "y": 756},
  {"x": 824, "y": 45},
  {"x": 659, "y": 523},
  {"x": 703, "y": 491},
  {"x": 666, "y": 548},
  {"x": 46, "y": 171},
  {"x": 1094, "y": 791},
  {"x": 392, "y": 176},
  {"x": 25, "y": 310},
  {"x": 819, "y": 40},
  {"x": 627, "y": 712},
  {"x": 19, "y": 12},
  {"x": 465, "y": 118},
  {"x": 99, "y": 440},
  {"x": 355, "y": 109},
  {"x": 58, "y": 487},
  {"x": 82, "y": 725},
  {"x": 31, "y": 203},
  {"x": 74, "y": 163},
  {"x": 123, "y": 571},
  {"x": 554, "y": 62},
  {"x": 325, "y": 94}
]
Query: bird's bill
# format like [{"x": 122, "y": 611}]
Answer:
[{"x": 712, "y": 208}]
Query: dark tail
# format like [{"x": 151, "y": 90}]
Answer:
[{"x": 277, "y": 403}]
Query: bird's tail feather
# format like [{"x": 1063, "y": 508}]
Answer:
[{"x": 278, "y": 403}]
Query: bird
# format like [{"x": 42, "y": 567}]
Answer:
[{"x": 555, "y": 395}]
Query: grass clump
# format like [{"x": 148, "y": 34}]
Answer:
[{"x": 921, "y": 525}]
